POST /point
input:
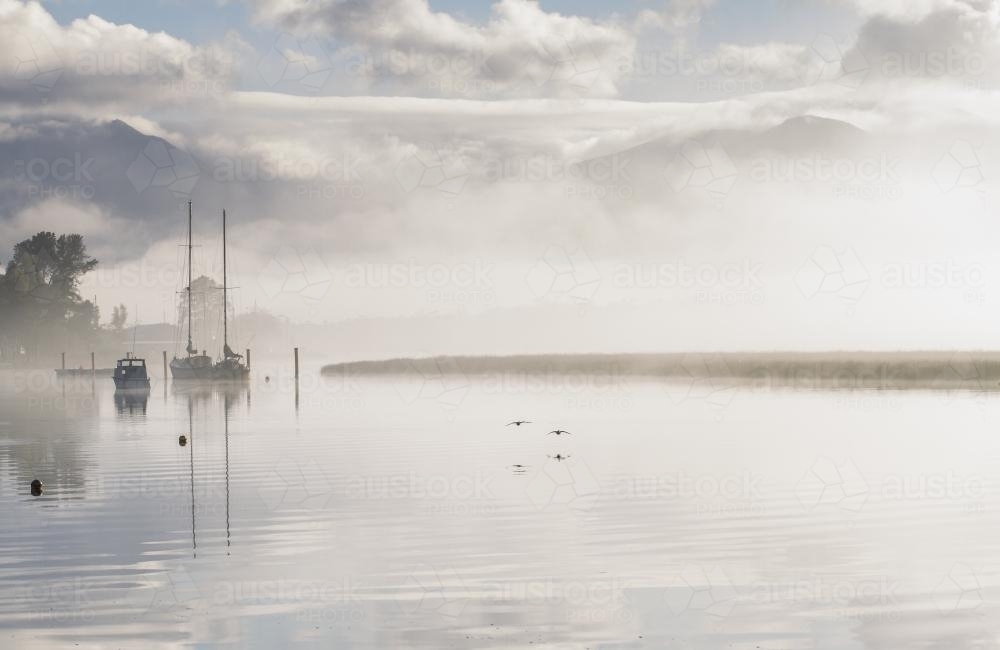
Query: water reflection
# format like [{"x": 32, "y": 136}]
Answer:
[
  {"x": 397, "y": 525},
  {"x": 225, "y": 412},
  {"x": 194, "y": 508},
  {"x": 131, "y": 401},
  {"x": 40, "y": 439},
  {"x": 207, "y": 396},
  {"x": 200, "y": 393}
]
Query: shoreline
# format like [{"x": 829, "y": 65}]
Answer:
[{"x": 871, "y": 370}]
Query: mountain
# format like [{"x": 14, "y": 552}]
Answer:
[
  {"x": 806, "y": 133},
  {"x": 107, "y": 167},
  {"x": 714, "y": 159},
  {"x": 810, "y": 133}
]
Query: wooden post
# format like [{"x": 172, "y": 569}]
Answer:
[
  {"x": 248, "y": 358},
  {"x": 296, "y": 367},
  {"x": 93, "y": 368},
  {"x": 164, "y": 365},
  {"x": 63, "y": 360}
]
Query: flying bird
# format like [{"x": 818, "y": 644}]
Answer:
[
  {"x": 559, "y": 458},
  {"x": 559, "y": 432},
  {"x": 518, "y": 423}
]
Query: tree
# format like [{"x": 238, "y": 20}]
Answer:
[
  {"x": 119, "y": 316},
  {"x": 54, "y": 262},
  {"x": 206, "y": 313},
  {"x": 39, "y": 297},
  {"x": 84, "y": 319}
]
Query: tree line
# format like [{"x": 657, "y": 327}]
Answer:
[{"x": 42, "y": 312}]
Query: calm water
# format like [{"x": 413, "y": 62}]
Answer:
[{"x": 397, "y": 513}]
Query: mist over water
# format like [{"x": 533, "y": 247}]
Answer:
[{"x": 372, "y": 515}]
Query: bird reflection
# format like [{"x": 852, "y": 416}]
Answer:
[{"x": 518, "y": 469}]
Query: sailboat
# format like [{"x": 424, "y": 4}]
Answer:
[
  {"x": 231, "y": 367},
  {"x": 201, "y": 367},
  {"x": 194, "y": 365}
]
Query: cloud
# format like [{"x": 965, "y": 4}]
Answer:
[
  {"x": 328, "y": 174},
  {"x": 951, "y": 42},
  {"x": 521, "y": 50},
  {"x": 676, "y": 16},
  {"x": 100, "y": 231},
  {"x": 96, "y": 63},
  {"x": 916, "y": 10}
]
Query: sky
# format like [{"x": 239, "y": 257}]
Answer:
[{"x": 511, "y": 176}]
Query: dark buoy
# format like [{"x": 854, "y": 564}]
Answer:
[
  {"x": 36, "y": 487},
  {"x": 182, "y": 441}
]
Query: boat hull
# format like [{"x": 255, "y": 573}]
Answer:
[
  {"x": 131, "y": 383},
  {"x": 195, "y": 369},
  {"x": 211, "y": 374}
]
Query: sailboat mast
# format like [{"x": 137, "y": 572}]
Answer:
[
  {"x": 225, "y": 288},
  {"x": 190, "y": 345}
]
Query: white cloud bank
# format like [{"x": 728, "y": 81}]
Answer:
[
  {"x": 92, "y": 62},
  {"x": 521, "y": 50},
  {"x": 418, "y": 181}
]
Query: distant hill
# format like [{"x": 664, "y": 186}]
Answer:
[
  {"x": 809, "y": 132},
  {"x": 798, "y": 134},
  {"x": 804, "y": 136}
]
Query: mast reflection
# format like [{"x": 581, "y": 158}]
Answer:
[{"x": 204, "y": 396}]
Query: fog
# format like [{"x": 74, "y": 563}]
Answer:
[{"x": 549, "y": 217}]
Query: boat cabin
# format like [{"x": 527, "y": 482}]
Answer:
[{"x": 131, "y": 373}]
